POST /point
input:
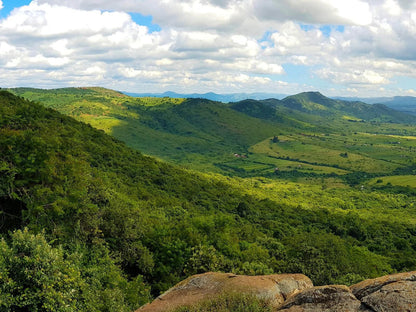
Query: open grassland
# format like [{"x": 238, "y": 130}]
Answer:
[
  {"x": 330, "y": 151},
  {"x": 401, "y": 180}
]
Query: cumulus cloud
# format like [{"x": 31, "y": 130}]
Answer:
[
  {"x": 351, "y": 77},
  {"x": 108, "y": 46},
  {"x": 217, "y": 13},
  {"x": 1, "y": 5},
  {"x": 210, "y": 45},
  {"x": 336, "y": 12}
]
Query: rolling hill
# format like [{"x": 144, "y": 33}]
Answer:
[
  {"x": 122, "y": 226},
  {"x": 236, "y": 138},
  {"x": 318, "y": 104}
]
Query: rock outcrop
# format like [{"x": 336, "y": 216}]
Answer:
[
  {"x": 322, "y": 299},
  {"x": 296, "y": 293},
  {"x": 388, "y": 293},
  {"x": 194, "y": 289}
]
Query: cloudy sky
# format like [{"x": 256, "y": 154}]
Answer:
[{"x": 338, "y": 47}]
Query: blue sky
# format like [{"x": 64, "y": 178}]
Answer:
[
  {"x": 337, "y": 47},
  {"x": 144, "y": 20},
  {"x": 8, "y": 6}
]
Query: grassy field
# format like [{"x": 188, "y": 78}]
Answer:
[{"x": 400, "y": 180}]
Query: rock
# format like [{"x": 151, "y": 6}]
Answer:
[
  {"x": 295, "y": 293},
  {"x": 197, "y": 288},
  {"x": 322, "y": 299},
  {"x": 369, "y": 286},
  {"x": 395, "y": 292}
]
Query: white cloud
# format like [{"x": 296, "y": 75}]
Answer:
[
  {"x": 390, "y": 35},
  {"x": 336, "y": 12},
  {"x": 1, "y": 4},
  {"x": 209, "y": 45},
  {"x": 215, "y": 14},
  {"x": 366, "y": 77},
  {"x": 108, "y": 46},
  {"x": 49, "y": 21}
]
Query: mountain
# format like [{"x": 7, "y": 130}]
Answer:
[
  {"x": 89, "y": 224},
  {"x": 225, "y": 98},
  {"x": 402, "y": 103},
  {"x": 368, "y": 100},
  {"x": 405, "y": 104},
  {"x": 316, "y": 103}
]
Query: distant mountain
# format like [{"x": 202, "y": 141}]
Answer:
[
  {"x": 402, "y": 103},
  {"x": 368, "y": 100},
  {"x": 225, "y": 98},
  {"x": 405, "y": 104},
  {"x": 317, "y": 104}
]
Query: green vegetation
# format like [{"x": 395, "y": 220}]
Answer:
[
  {"x": 312, "y": 131},
  {"x": 37, "y": 277},
  {"x": 80, "y": 207},
  {"x": 230, "y": 302}
]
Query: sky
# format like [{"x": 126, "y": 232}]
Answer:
[{"x": 364, "y": 48}]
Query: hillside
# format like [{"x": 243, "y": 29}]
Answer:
[
  {"x": 317, "y": 104},
  {"x": 237, "y": 139},
  {"x": 402, "y": 103},
  {"x": 405, "y": 104},
  {"x": 122, "y": 226}
]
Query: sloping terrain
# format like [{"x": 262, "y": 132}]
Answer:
[
  {"x": 248, "y": 138},
  {"x": 318, "y": 104},
  {"x": 122, "y": 223}
]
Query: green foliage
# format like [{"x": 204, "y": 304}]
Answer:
[
  {"x": 125, "y": 223},
  {"x": 204, "y": 259},
  {"x": 34, "y": 276},
  {"x": 327, "y": 259}
]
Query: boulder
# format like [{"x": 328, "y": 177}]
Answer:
[
  {"x": 201, "y": 287},
  {"x": 323, "y": 299},
  {"x": 295, "y": 293},
  {"x": 395, "y": 292}
]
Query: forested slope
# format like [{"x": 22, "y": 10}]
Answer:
[
  {"x": 305, "y": 135},
  {"x": 80, "y": 208}
]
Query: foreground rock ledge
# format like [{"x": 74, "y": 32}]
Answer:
[
  {"x": 210, "y": 285},
  {"x": 295, "y": 293}
]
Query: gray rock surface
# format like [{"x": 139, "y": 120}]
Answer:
[
  {"x": 322, "y": 299},
  {"x": 395, "y": 292},
  {"x": 295, "y": 293},
  {"x": 276, "y": 288}
]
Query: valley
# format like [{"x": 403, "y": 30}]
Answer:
[
  {"x": 140, "y": 193},
  {"x": 295, "y": 137}
]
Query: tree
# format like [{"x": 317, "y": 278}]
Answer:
[{"x": 36, "y": 277}]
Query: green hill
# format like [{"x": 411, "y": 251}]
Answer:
[
  {"x": 236, "y": 139},
  {"x": 106, "y": 224},
  {"x": 318, "y": 104},
  {"x": 194, "y": 132}
]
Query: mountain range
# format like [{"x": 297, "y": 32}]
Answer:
[
  {"x": 225, "y": 98},
  {"x": 401, "y": 103}
]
